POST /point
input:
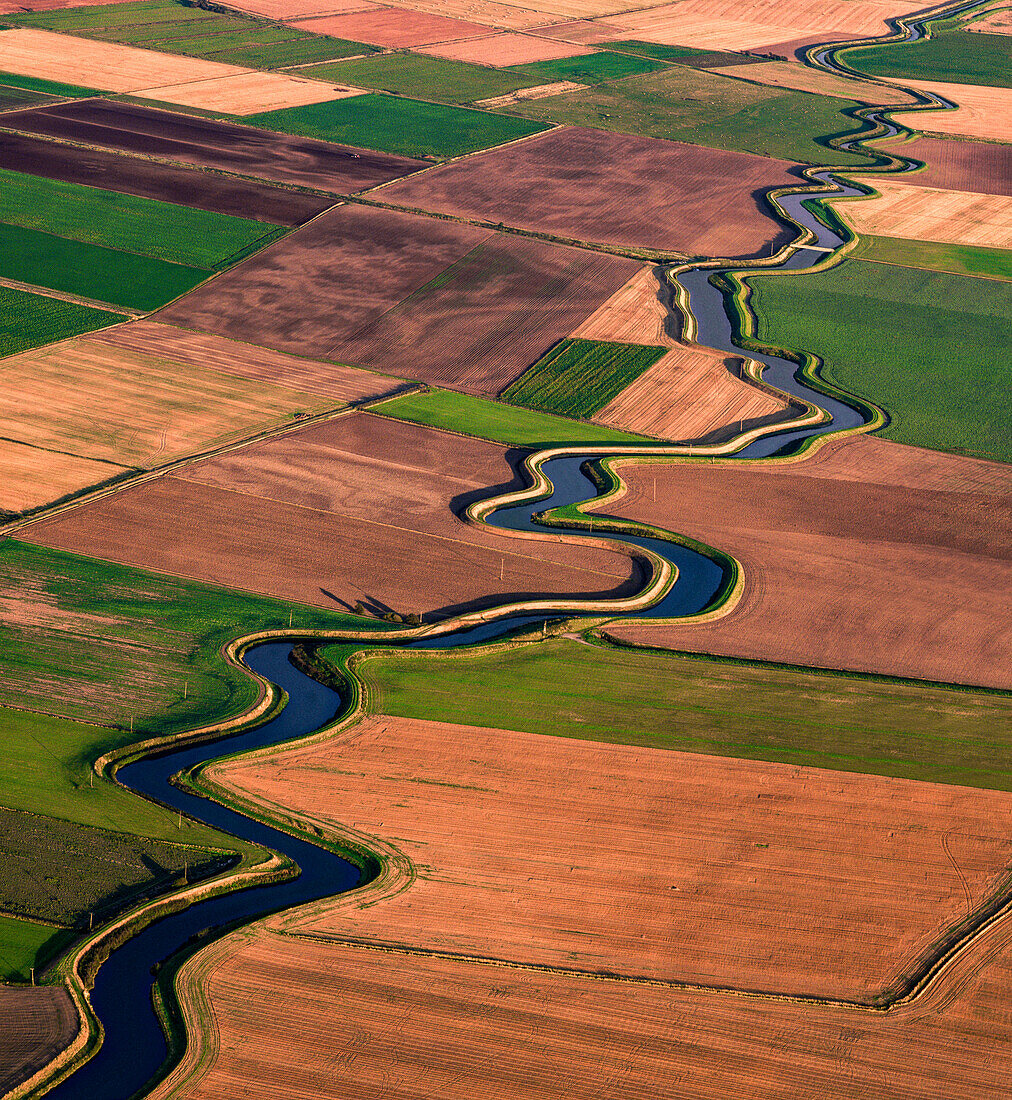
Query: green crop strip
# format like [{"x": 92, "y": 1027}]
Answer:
[
  {"x": 30, "y": 320},
  {"x": 298, "y": 52},
  {"x": 954, "y": 259},
  {"x": 591, "y": 68},
  {"x": 579, "y": 377},
  {"x": 958, "y": 56},
  {"x": 48, "y": 87}
]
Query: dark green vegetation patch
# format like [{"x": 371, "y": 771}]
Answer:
[
  {"x": 393, "y": 125},
  {"x": 591, "y": 68},
  {"x": 91, "y": 271},
  {"x": 694, "y": 704},
  {"x": 656, "y": 51},
  {"x": 31, "y": 320},
  {"x": 958, "y": 56},
  {"x": 925, "y": 346},
  {"x": 298, "y": 52},
  {"x": 179, "y": 234},
  {"x": 414, "y": 74},
  {"x": 956, "y": 259},
  {"x": 460, "y": 412},
  {"x": 579, "y": 377},
  {"x": 11, "y": 98}
]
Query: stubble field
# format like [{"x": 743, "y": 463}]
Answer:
[{"x": 38, "y": 1024}]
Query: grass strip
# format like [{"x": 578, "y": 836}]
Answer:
[
  {"x": 579, "y": 377},
  {"x": 955, "y": 259},
  {"x": 591, "y": 68},
  {"x": 30, "y": 320},
  {"x": 48, "y": 87}
]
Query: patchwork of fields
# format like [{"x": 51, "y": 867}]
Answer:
[{"x": 288, "y": 291}]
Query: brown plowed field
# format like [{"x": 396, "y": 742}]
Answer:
[
  {"x": 207, "y": 143},
  {"x": 983, "y": 112},
  {"x": 151, "y": 180},
  {"x": 104, "y": 400},
  {"x": 33, "y": 477},
  {"x": 871, "y": 556},
  {"x": 690, "y": 395},
  {"x": 105, "y": 65},
  {"x": 336, "y": 383},
  {"x": 248, "y": 93},
  {"x": 355, "y": 1022},
  {"x": 394, "y": 28},
  {"x": 678, "y": 866},
  {"x": 932, "y": 214},
  {"x": 354, "y": 509},
  {"x": 419, "y": 298},
  {"x": 981, "y": 166},
  {"x": 592, "y": 185},
  {"x": 37, "y": 1024},
  {"x": 787, "y": 74},
  {"x": 506, "y": 49}
]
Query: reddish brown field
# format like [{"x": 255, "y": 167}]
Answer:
[
  {"x": 35, "y": 1025},
  {"x": 431, "y": 300},
  {"x": 981, "y": 166},
  {"x": 207, "y": 143},
  {"x": 679, "y": 867},
  {"x": 506, "y": 49},
  {"x": 592, "y": 185},
  {"x": 358, "y": 508},
  {"x": 871, "y": 556},
  {"x": 983, "y": 112},
  {"x": 394, "y": 28},
  {"x": 356, "y": 1022}
]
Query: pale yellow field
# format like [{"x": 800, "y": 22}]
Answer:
[
  {"x": 542, "y": 91},
  {"x": 506, "y": 16},
  {"x": 995, "y": 22},
  {"x": 505, "y": 49},
  {"x": 32, "y": 476},
  {"x": 689, "y": 394},
  {"x": 633, "y": 315},
  {"x": 788, "y": 74},
  {"x": 93, "y": 399},
  {"x": 105, "y": 65},
  {"x": 983, "y": 112},
  {"x": 932, "y": 214},
  {"x": 248, "y": 93}
]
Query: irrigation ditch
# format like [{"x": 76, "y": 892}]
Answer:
[{"x": 136, "y": 983}]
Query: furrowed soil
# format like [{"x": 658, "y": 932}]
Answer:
[
  {"x": 149, "y": 179},
  {"x": 360, "y": 508},
  {"x": 37, "y": 1024},
  {"x": 394, "y": 28},
  {"x": 423, "y": 1026},
  {"x": 593, "y": 185},
  {"x": 432, "y": 300},
  {"x": 207, "y": 143},
  {"x": 932, "y": 214},
  {"x": 679, "y": 866},
  {"x": 34, "y": 476},
  {"x": 506, "y": 49},
  {"x": 983, "y": 112},
  {"x": 981, "y": 166},
  {"x": 881, "y": 557},
  {"x": 635, "y": 314}
]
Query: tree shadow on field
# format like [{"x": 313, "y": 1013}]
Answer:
[{"x": 514, "y": 456}]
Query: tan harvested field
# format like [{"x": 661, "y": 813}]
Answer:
[
  {"x": 9, "y": 7},
  {"x": 35, "y": 1025},
  {"x": 594, "y": 185},
  {"x": 285, "y": 10},
  {"x": 489, "y": 12},
  {"x": 733, "y": 25},
  {"x": 691, "y": 394},
  {"x": 506, "y": 49},
  {"x": 981, "y": 166},
  {"x": 802, "y": 78},
  {"x": 358, "y": 508},
  {"x": 580, "y": 30},
  {"x": 369, "y": 1024},
  {"x": 336, "y": 383},
  {"x": 103, "y": 400},
  {"x": 104, "y": 65},
  {"x": 393, "y": 27},
  {"x": 247, "y": 93},
  {"x": 677, "y": 867},
  {"x": 542, "y": 91},
  {"x": 881, "y": 558},
  {"x": 983, "y": 112},
  {"x": 995, "y": 22},
  {"x": 636, "y": 314},
  {"x": 932, "y": 214},
  {"x": 32, "y": 476}
]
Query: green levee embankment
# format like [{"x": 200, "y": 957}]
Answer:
[
  {"x": 929, "y": 348},
  {"x": 698, "y": 704},
  {"x": 460, "y": 412},
  {"x": 959, "y": 57},
  {"x": 955, "y": 259}
]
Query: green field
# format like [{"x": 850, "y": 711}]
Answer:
[
  {"x": 111, "y": 15},
  {"x": 31, "y": 320},
  {"x": 705, "y": 705},
  {"x": 579, "y": 377},
  {"x": 659, "y": 52},
  {"x": 460, "y": 412},
  {"x": 396, "y": 125},
  {"x": 957, "y": 56},
  {"x": 591, "y": 68},
  {"x": 922, "y": 345},
  {"x": 49, "y": 87},
  {"x": 684, "y": 104},
  {"x": 107, "y": 643},
  {"x": 297, "y": 52},
  {"x": 414, "y": 74},
  {"x": 179, "y": 234},
  {"x": 25, "y": 944},
  {"x": 956, "y": 259},
  {"x": 14, "y": 98},
  {"x": 91, "y": 271}
]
